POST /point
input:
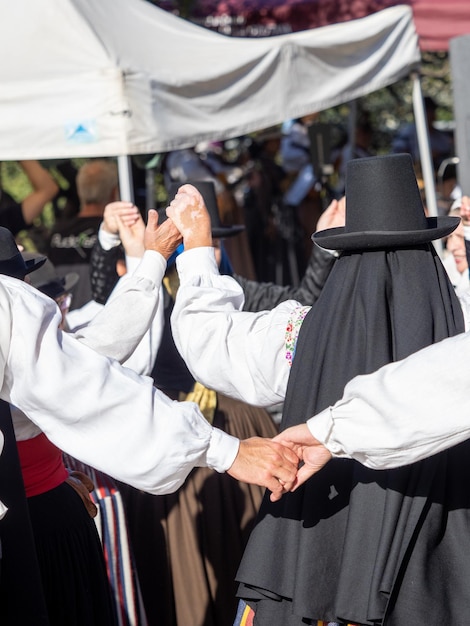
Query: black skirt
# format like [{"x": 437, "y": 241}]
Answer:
[
  {"x": 71, "y": 560},
  {"x": 354, "y": 544}
]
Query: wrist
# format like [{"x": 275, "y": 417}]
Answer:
[
  {"x": 197, "y": 242},
  {"x": 108, "y": 229}
]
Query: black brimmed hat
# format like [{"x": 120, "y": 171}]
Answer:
[
  {"x": 383, "y": 208},
  {"x": 47, "y": 280},
  {"x": 12, "y": 262}
]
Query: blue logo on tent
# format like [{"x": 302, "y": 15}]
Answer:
[{"x": 80, "y": 132}]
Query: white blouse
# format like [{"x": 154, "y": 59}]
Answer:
[
  {"x": 404, "y": 412},
  {"x": 90, "y": 406}
]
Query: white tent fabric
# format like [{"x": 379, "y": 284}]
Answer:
[{"x": 86, "y": 78}]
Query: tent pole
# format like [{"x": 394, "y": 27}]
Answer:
[
  {"x": 126, "y": 188},
  {"x": 427, "y": 168},
  {"x": 352, "y": 123}
]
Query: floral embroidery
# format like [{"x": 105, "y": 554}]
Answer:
[{"x": 292, "y": 330}]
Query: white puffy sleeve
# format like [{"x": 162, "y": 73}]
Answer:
[{"x": 238, "y": 353}]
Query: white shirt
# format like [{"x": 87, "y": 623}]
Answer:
[
  {"x": 137, "y": 302},
  {"x": 142, "y": 358},
  {"x": 400, "y": 414},
  {"x": 90, "y": 406}
]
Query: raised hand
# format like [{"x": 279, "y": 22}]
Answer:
[
  {"x": 127, "y": 212},
  {"x": 333, "y": 216},
  {"x": 266, "y": 463},
  {"x": 164, "y": 238},
  {"x": 131, "y": 235},
  {"x": 189, "y": 214}
]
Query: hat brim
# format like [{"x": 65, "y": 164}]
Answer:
[
  {"x": 58, "y": 286},
  {"x": 221, "y": 232},
  {"x": 70, "y": 280},
  {"x": 34, "y": 264},
  {"x": 340, "y": 239}
]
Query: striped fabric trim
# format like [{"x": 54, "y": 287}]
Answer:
[
  {"x": 245, "y": 617},
  {"x": 112, "y": 529}
]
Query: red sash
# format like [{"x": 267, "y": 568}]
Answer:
[{"x": 41, "y": 465}]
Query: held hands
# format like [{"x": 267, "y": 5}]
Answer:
[
  {"x": 189, "y": 214},
  {"x": 164, "y": 238},
  {"x": 313, "y": 454},
  {"x": 281, "y": 464},
  {"x": 263, "y": 462}
]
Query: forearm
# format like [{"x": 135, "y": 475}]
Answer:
[
  {"x": 44, "y": 190},
  {"x": 129, "y": 311},
  {"x": 405, "y": 412}
]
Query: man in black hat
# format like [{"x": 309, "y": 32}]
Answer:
[{"x": 350, "y": 545}]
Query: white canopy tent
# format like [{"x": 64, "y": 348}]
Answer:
[
  {"x": 119, "y": 77},
  {"x": 81, "y": 78}
]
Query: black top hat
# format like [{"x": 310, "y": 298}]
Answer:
[
  {"x": 48, "y": 281},
  {"x": 11, "y": 260},
  {"x": 383, "y": 208},
  {"x": 207, "y": 190}
]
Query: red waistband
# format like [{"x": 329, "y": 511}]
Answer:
[{"x": 41, "y": 465}]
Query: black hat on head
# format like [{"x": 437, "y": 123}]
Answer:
[
  {"x": 384, "y": 208},
  {"x": 11, "y": 260},
  {"x": 207, "y": 190},
  {"x": 48, "y": 281}
]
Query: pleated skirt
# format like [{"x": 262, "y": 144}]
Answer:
[{"x": 71, "y": 560}]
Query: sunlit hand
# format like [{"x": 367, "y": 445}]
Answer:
[
  {"x": 188, "y": 212},
  {"x": 164, "y": 238},
  {"x": 126, "y": 211},
  {"x": 131, "y": 235},
  {"x": 266, "y": 463},
  {"x": 309, "y": 450},
  {"x": 333, "y": 216}
]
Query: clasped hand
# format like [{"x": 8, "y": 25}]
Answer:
[{"x": 281, "y": 464}]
